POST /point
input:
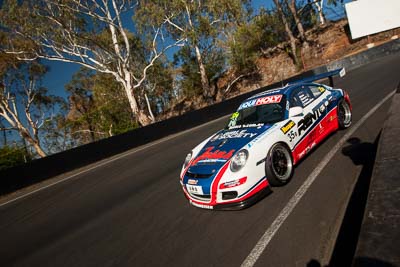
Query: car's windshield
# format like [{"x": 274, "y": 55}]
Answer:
[{"x": 267, "y": 113}]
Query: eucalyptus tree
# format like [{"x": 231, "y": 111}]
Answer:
[
  {"x": 293, "y": 10},
  {"x": 92, "y": 33},
  {"x": 252, "y": 39},
  {"x": 97, "y": 107},
  {"x": 285, "y": 22},
  {"x": 25, "y": 106},
  {"x": 320, "y": 4},
  {"x": 199, "y": 23}
]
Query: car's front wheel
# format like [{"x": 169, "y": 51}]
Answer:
[
  {"x": 344, "y": 114},
  {"x": 279, "y": 165}
]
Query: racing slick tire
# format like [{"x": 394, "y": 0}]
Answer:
[
  {"x": 279, "y": 165},
  {"x": 344, "y": 114}
]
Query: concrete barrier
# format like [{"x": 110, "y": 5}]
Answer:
[{"x": 379, "y": 240}]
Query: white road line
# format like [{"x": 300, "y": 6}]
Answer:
[
  {"x": 273, "y": 229},
  {"x": 114, "y": 158}
]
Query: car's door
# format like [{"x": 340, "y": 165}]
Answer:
[{"x": 305, "y": 135}]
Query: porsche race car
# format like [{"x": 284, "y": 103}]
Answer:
[{"x": 264, "y": 139}]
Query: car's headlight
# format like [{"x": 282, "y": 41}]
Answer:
[
  {"x": 187, "y": 159},
  {"x": 239, "y": 160}
]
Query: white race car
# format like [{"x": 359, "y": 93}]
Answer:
[{"x": 268, "y": 134}]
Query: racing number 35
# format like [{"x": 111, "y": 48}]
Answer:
[{"x": 292, "y": 135}]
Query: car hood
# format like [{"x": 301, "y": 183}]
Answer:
[{"x": 222, "y": 146}]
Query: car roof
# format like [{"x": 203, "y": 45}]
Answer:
[{"x": 285, "y": 90}]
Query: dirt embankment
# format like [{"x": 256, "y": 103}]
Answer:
[{"x": 327, "y": 43}]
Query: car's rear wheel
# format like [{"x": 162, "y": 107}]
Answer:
[
  {"x": 279, "y": 165},
  {"x": 344, "y": 114}
]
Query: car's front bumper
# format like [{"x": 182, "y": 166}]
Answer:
[{"x": 236, "y": 205}]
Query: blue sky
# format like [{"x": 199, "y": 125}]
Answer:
[{"x": 60, "y": 72}]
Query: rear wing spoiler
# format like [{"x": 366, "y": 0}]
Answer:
[{"x": 341, "y": 72}]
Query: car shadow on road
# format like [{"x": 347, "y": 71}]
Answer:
[{"x": 362, "y": 154}]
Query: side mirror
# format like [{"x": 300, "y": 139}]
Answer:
[{"x": 295, "y": 111}]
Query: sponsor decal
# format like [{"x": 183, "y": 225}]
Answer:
[
  {"x": 331, "y": 118},
  {"x": 321, "y": 89},
  {"x": 307, "y": 149},
  {"x": 192, "y": 182},
  {"x": 233, "y": 119},
  {"x": 250, "y": 125},
  {"x": 321, "y": 129},
  {"x": 233, "y": 183},
  {"x": 235, "y": 116},
  {"x": 269, "y": 100},
  {"x": 205, "y": 161},
  {"x": 217, "y": 155},
  {"x": 289, "y": 125},
  {"x": 233, "y": 134},
  {"x": 311, "y": 117},
  {"x": 261, "y": 101},
  {"x": 201, "y": 205}
]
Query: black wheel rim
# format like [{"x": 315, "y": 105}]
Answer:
[{"x": 281, "y": 163}]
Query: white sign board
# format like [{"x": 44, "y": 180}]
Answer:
[{"x": 372, "y": 16}]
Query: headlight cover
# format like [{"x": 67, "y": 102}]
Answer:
[
  {"x": 239, "y": 160},
  {"x": 187, "y": 159}
]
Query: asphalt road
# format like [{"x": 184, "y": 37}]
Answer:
[{"x": 131, "y": 211}]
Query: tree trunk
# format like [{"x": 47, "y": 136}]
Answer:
[
  {"x": 292, "y": 39},
  {"x": 208, "y": 91},
  {"x": 141, "y": 115},
  {"x": 149, "y": 107},
  {"x": 39, "y": 150},
  {"x": 320, "y": 13},
  {"x": 292, "y": 7},
  {"x": 143, "y": 118},
  {"x": 91, "y": 131},
  {"x": 34, "y": 142}
]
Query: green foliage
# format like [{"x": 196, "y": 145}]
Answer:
[
  {"x": 203, "y": 25},
  {"x": 98, "y": 107},
  {"x": 194, "y": 19},
  {"x": 111, "y": 108},
  {"x": 306, "y": 13},
  {"x": 189, "y": 79},
  {"x": 12, "y": 156},
  {"x": 262, "y": 32},
  {"x": 159, "y": 86},
  {"x": 26, "y": 105}
]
